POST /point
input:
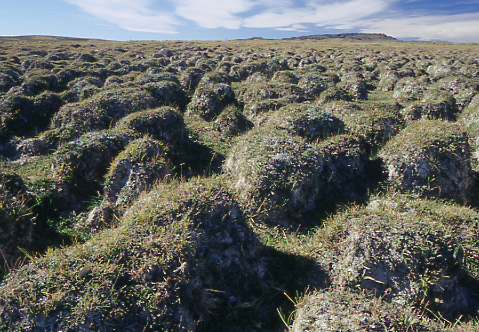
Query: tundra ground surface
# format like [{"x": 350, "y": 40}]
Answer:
[{"x": 255, "y": 185}]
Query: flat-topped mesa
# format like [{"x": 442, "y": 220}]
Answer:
[{"x": 347, "y": 36}]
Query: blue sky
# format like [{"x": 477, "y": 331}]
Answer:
[{"x": 456, "y": 21}]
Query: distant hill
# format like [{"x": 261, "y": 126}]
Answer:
[
  {"x": 41, "y": 38},
  {"x": 347, "y": 36}
]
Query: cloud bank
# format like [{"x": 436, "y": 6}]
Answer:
[
  {"x": 387, "y": 16},
  {"x": 132, "y": 15},
  {"x": 455, "y": 28},
  {"x": 214, "y": 13}
]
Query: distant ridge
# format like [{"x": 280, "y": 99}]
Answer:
[
  {"x": 41, "y": 38},
  {"x": 347, "y": 36}
]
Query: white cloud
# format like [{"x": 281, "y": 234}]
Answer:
[
  {"x": 458, "y": 28},
  {"x": 214, "y": 13},
  {"x": 294, "y": 27},
  {"x": 133, "y": 15},
  {"x": 319, "y": 13}
]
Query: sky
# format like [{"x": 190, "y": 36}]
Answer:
[{"x": 455, "y": 21}]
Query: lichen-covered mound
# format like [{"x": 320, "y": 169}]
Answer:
[
  {"x": 375, "y": 122},
  {"x": 347, "y": 168},
  {"x": 164, "y": 124},
  {"x": 469, "y": 119},
  {"x": 436, "y": 104},
  {"x": 79, "y": 166},
  {"x": 181, "y": 259},
  {"x": 336, "y": 310},
  {"x": 406, "y": 253},
  {"x": 311, "y": 123},
  {"x": 431, "y": 158},
  {"x": 138, "y": 167},
  {"x": 209, "y": 100},
  {"x": 276, "y": 174}
]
